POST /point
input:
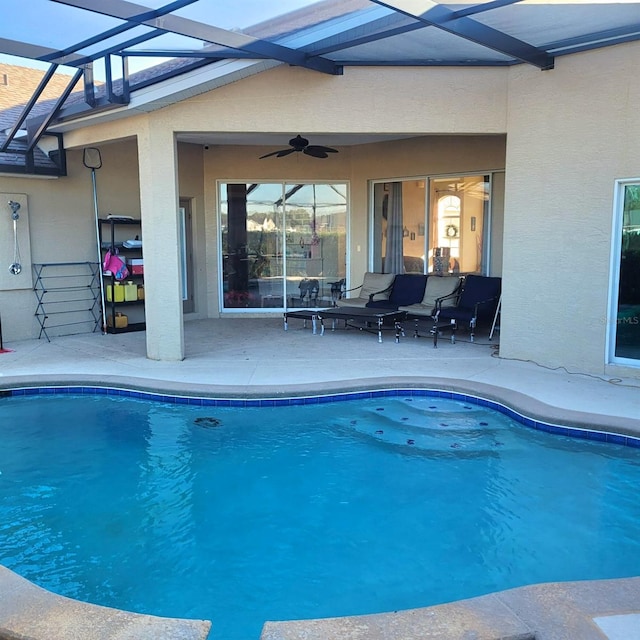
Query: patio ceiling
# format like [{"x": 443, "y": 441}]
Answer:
[{"x": 117, "y": 47}]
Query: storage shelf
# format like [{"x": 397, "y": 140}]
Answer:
[
  {"x": 110, "y": 239},
  {"x": 125, "y": 302},
  {"x": 136, "y": 326}
]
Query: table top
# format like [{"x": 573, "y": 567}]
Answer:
[
  {"x": 304, "y": 314},
  {"x": 360, "y": 312}
]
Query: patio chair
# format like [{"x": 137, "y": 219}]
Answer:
[
  {"x": 407, "y": 289},
  {"x": 437, "y": 287},
  {"x": 375, "y": 286},
  {"x": 444, "y": 288},
  {"x": 477, "y": 303}
]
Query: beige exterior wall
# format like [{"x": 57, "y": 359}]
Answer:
[
  {"x": 62, "y": 222},
  {"x": 571, "y": 133},
  {"x": 364, "y": 100}
]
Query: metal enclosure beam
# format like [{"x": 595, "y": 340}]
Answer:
[
  {"x": 134, "y": 13},
  {"x": 435, "y": 15}
]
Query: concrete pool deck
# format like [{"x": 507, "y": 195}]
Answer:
[{"x": 245, "y": 357}]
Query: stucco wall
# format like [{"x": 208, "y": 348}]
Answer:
[
  {"x": 406, "y": 100},
  {"x": 571, "y": 133},
  {"x": 61, "y": 221},
  {"x": 191, "y": 187}
]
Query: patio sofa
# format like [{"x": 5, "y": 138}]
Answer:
[
  {"x": 410, "y": 292},
  {"x": 439, "y": 301},
  {"x": 472, "y": 299}
]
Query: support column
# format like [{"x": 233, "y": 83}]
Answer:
[{"x": 157, "y": 158}]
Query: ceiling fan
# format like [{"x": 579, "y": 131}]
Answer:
[{"x": 302, "y": 144}]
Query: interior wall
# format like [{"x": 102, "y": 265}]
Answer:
[
  {"x": 571, "y": 132},
  {"x": 418, "y": 157},
  {"x": 496, "y": 240},
  {"x": 355, "y": 165}
]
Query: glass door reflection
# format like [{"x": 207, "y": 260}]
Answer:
[{"x": 283, "y": 245}]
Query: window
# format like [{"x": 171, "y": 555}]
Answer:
[
  {"x": 436, "y": 229},
  {"x": 626, "y": 307},
  {"x": 282, "y": 244}
]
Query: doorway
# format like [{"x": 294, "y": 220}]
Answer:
[
  {"x": 282, "y": 244},
  {"x": 625, "y": 326},
  {"x": 185, "y": 226}
]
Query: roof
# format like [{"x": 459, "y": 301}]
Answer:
[
  {"x": 17, "y": 85},
  {"x": 325, "y": 37}
]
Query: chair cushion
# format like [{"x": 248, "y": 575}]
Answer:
[
  {"x": 407, "y": 289},
  {"x": 417, "y": 310},
  {"x": 374, "y": 282},
  {"x": 352, "y": 302},
  {"x": 438, "y": 287}
]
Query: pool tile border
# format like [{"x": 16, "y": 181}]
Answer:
[{"x": 313, "y": 399}]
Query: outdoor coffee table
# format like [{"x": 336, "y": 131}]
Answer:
[
  {"x": 362, "y": 317},
  {"x": 302, "y": 314}
]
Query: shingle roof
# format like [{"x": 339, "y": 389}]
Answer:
[{"x": 17, "y": 85}]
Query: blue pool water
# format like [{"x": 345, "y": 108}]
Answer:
[{"x": 246, "y": 515}]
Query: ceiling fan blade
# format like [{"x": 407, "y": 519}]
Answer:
[
  {"x": 285, "y": 152},
  {"x": 318, "y": 147},
  {"x": 273, "y": 153},
  {"x": 315, "y": 152}
]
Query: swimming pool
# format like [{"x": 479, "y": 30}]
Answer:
[{"x": 311, "y": 510}]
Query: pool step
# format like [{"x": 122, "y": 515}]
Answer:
[{"x": 429, "y": 428}]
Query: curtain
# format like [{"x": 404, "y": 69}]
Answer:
[{"x": 394, "y": 259}]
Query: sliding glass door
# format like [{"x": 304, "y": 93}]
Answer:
[
  {"x": 626, "y": 328},
  {"x": 282, "y": 244},
  {"x": 459, "y": 210},
  {"x": 434, "y": 225}
]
